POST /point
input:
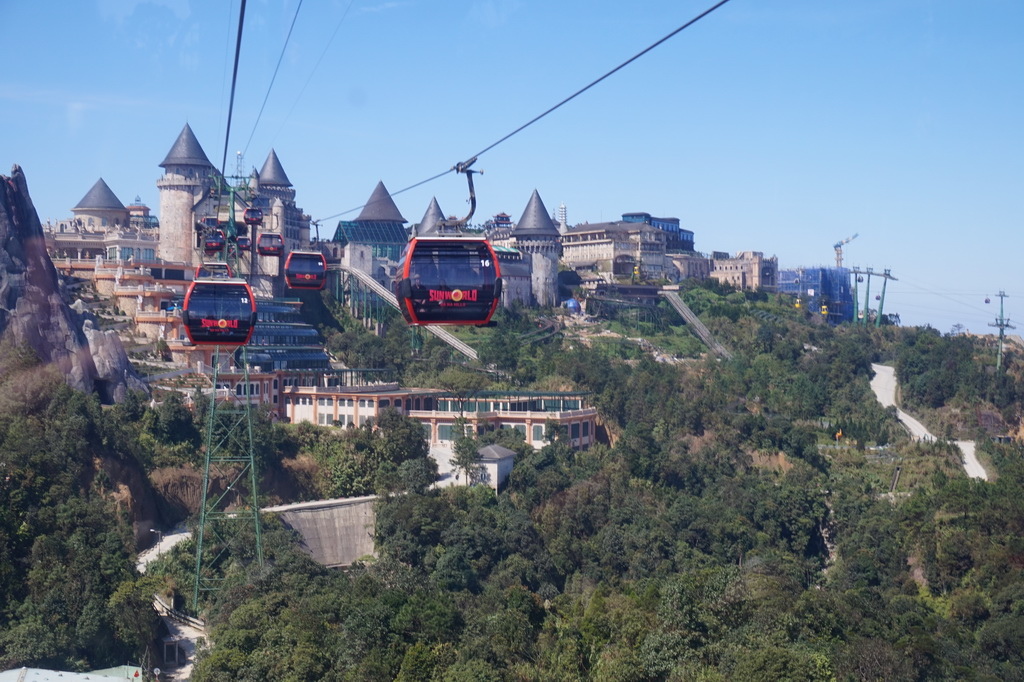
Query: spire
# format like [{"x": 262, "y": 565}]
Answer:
[
  {"x": 433, "y": 216},
  {"x": 535, "y": 221},
  {"x": 273, "y": 173},
  {"x": 100, "y": 197},
  {"x": 186, "y": 151},
  {"x": 380, "y": 207}
]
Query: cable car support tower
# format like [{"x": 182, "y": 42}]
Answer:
[
  {"x": 1002, "y": 324},
  {"x": 229, "y": 523}
]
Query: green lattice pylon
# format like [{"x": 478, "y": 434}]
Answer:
[{"x": 228, "y": 539}]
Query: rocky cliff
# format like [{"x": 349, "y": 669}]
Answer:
[{"x": 35, "y": 313}]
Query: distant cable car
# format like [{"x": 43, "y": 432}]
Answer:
[
  {"x": 270, "y": 244},
  {"x": 449, "y": 280},
  {"x": 253, "y": 216},
  {"x": 213, "y": 270},
  {"x": 219, "y": 312},
  {"x": 244, "y": 243},
  {"x": 305, "y": 270},
  {"x": 213, "y": 242}
]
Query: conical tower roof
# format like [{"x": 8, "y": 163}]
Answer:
[
  {"x": 431, "y": 219},
  {"x": 100, "y": 197},
  {"x": 381, "y": 207},
  {"x": 273, "y": 173},
  {"x": 535, "y": 221},
  {"x": 186, "y": 151}
]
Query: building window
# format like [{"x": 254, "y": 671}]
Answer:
[
  {"x": 538, "y": 432},
  {"x": 586, "y": 429},
  {"x": 574, "y": 430},
  {"x": 444, "y": 432}
]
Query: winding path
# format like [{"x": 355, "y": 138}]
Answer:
[
  {"x": 183, "y": 631},
  {"x": 883, "y": 384}
]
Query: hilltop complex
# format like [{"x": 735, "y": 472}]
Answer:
[{"x": 145, "y": 264}]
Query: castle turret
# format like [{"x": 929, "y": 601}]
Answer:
[
  {"x": 428, "y": 227},
  {"x": 285, "y": 217},
  {"x": 537, "y": 237},
  {"x": 188, "y": 177},
  {"x": 100, "y": 209}
]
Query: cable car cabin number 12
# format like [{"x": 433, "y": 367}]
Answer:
[{"x": 219, "y": 312}]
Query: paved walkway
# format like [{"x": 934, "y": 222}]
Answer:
[
  {"x": 183, "y": 634},
  {"x": 884, "y": 386}
]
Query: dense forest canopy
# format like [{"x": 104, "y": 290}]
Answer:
[{"x": 741, "y": 522}]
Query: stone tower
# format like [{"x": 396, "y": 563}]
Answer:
[
  {"x": 537, "y": 237},
  {"x": 188, "y": 177}
]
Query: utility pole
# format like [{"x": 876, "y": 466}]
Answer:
[{"x": 1002, "y": 324}]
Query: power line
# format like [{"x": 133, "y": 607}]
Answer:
[
  {"x": 598, "y": 80},
  {"x": 234, "y": 80},
  {"x": 564, "y": 101},
  {"x": 273, "y": 78},
  {"x": 323, "y": 54}
]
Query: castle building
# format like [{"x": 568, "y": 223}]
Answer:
[
  {"x": 102, "y": 226},
  {"x": 536, "y": 236},
  {"x": 100, "y": 210},
  {"x": 188, "y": 179},
  {"x": 748, "y": 270},
  {"x": 677, "y": 239},
  {"x": 616, "y": 249},
  {"x": 380, "y": 224},
  {"x": 191, "y": 190}
]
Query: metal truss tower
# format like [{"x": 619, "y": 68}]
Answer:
[
  {"x": 1002, "y": 324},
  {"x": 229, "y": 516},
  {"x": 229, "y": 534}
]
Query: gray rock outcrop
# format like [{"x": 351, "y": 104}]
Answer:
[{"x": 33, "y": 310}]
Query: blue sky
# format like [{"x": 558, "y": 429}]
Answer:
[{"x": 780, "y": 127}]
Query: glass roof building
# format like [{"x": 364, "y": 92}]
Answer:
[{"x": 380, "y": 224}]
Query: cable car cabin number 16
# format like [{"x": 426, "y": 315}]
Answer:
[{"x": 448, "y": 281}]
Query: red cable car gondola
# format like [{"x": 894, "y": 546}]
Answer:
[
  {"x": 305, "y": 270},
  {"x": 270, "y": 244},
  {"x": 448, "y": 280},
  {"x": 253, "y": 216},
  {"x": 213, "y": 242},
  {"x": 219, "y": 312},
  {"x": 243, "y": 243}
]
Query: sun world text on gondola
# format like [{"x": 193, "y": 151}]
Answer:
[
  {"x": 456, "y": 295},
  {"x": 221, "y": 324}
]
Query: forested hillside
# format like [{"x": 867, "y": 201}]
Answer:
[{"x": 739, "y": 525}]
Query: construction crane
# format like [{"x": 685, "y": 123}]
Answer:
[{"x": 839, "y": 249}]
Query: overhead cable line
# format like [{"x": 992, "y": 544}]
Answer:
[
  {"x": 272, "y": 78},
  {"x": 568, "y": 99},
  {"x": 323, "y": 54},
  {"x": 598, "y": 80},
  {"x": 234, "y": 80},
  {"x": 944, "y": 296}
]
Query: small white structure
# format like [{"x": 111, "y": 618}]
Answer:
[{"x": 495, "y": 464}]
